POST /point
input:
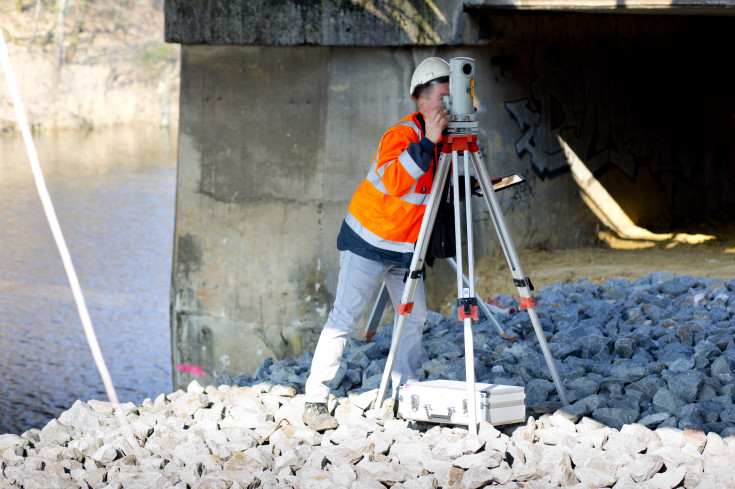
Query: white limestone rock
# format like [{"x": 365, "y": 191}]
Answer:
[
  {"x": 447, "y": 475},
  {"x": 343, "y": 475},
  {"x": 387, "y": 472},
  {"x": 81, "y": 418},
  {"x": 364, "y": 400},
  {"x": 555, "y": 436},
  {"x": 668, "y": 479},
  {"x": 39, "y": 480},
  {"x": 593, "y": 477},
  {"x": 423, "y": 482},
  {"x": 382, "y": 441},
  {"x": 348, "y": 436},
  {"x": 287, "y": 463},
  {"x": 367, "y": 484},
  {"x": 105, "y": 454},
  {"x": 476, "y": 476},
  {"x": 412, "y": 452},
  {"x": 13, "y": 455},
  {"x": 714, "y": 444},
  {"x": 457, "y": 443},
  {"x": 642, "y": 467},
  {"x": 557, "y": 464},
  {"x": 54, "y": 433},
  {"x": 226, "y": 480},
  {"x": 620, "y": 442},
  {"x": 502, "y": 474},
  {"x": 720, "y": 463},
  {"x": 95, "y": 478},
  {"x": 486, "y": 459},
  {"x": 10, "y": 440}
]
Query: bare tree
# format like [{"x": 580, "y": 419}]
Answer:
[
  {"x": 60, "y": 39},
  {"x": 35, "y": 24},
  {"x": 81, "y": 12}
]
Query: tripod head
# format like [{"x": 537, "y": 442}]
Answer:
[{"x": 458, "y": 103}]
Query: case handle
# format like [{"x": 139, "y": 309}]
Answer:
[{"x": 443, "y": 417}]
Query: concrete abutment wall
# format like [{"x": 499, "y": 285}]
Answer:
[{"x": 274, "y": 140}]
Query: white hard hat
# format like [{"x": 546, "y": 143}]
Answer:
[{"x": 427, "y": 71}]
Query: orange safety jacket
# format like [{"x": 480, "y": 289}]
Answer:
[{"x": 385, "y": 214}]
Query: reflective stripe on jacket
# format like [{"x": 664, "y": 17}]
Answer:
[{"x": 387, "y": 208}]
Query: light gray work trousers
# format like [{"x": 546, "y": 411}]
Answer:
[{"x": 358, "y": 279}]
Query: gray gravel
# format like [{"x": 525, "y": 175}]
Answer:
[
  {"x": 659, "y": 351},
  {"x": 648, "y": 367}
]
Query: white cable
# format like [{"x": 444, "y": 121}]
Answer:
[{"x": 53, "y": 221}]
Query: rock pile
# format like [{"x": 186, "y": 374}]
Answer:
[
  {"x": 659, "y": 351},
  {"x": 647, "y": 364},
  {"x": 230, "y": 437}
]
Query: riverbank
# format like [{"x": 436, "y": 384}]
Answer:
[
  {"x": 253, "y": 437},
  {"x": 114, "y": 69}
]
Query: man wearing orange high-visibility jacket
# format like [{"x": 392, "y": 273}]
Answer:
[{"x": 378, "y": 236}]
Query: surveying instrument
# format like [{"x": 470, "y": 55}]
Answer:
[{"x": 460, "y": 144}]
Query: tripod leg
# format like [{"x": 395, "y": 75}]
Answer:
[
  {"x": 414, "y": 272},
  {"x": 466, "y": 305},
  {"x": 481, "y": 303},
  {"x": 522, "y": 283},
  {"x": 374, "y": 321}
]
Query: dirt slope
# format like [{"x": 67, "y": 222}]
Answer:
[{"x": 713, "y": 259}]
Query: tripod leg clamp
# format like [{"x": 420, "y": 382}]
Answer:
[
  {"x": 404, "y": 309},
  {"x": 523, "y": 283},
  {"x": 527, "y": 302},
  {"x": 416, "y": 274},
  {"x": 467, "y": 309}
]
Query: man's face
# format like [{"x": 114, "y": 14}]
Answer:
[{"x": 433, "y": 101}]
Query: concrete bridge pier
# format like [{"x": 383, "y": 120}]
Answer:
[{"x": 283, "y": 103}]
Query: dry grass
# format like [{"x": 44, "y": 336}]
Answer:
[{"x": 712, "y": 259}]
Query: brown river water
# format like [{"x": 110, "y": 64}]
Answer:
[{"x": 114, "y": 194}]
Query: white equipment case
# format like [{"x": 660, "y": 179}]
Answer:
[{"x": 445, "y": 401}]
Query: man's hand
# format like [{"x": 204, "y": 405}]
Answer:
[{"x": 436, "y": 122}]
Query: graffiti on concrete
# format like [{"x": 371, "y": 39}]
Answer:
[
  {"x": 597, "y": 114},
  {"x": 516, "y": 198}
]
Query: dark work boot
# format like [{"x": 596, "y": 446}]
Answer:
[{"x": 317, "y": 417}]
